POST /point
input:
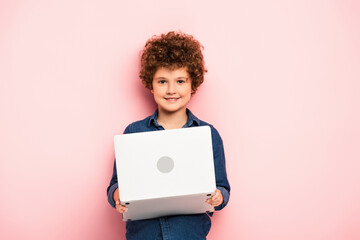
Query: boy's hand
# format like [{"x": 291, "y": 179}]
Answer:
[
  {"x": 216, "y": 200},
  {"x": 119, "y": 208}
]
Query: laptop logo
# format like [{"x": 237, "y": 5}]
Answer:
[{"x": 165, "y": 164}]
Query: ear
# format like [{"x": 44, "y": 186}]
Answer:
[{"x": 152, "y": 91}]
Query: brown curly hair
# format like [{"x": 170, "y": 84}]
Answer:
[{"x": 173, "y": 50}]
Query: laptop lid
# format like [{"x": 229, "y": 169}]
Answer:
[{"x": 165, "y": 172}]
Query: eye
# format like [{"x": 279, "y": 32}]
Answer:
[
  {"x": 162, "y": 81},
  {"x": 181, "y": 81}
]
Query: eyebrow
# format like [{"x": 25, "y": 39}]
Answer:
[{"x": 158, "y": 78}]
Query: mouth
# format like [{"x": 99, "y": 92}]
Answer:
[{"x": 172, "y": 99}]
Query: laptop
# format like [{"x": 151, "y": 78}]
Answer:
[{"x": 165, "y": 172}]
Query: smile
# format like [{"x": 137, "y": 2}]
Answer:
[{"x": 172, "y": 99}]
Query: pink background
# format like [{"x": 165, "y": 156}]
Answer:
[{"x": 282, "y": 89}]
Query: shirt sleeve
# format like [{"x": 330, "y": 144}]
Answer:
[
  {"x": 114, "y": 181},
  {"x": 222, "y": 182}
]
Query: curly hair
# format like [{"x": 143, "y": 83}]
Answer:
[{"x": 173, "y": 50}]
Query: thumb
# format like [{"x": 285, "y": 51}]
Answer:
[{"x": 216, "y": 194}]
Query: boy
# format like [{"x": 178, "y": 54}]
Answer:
[{"x": 172, "y": 68}]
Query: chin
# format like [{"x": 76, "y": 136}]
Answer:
[{"x": 172, "y": 110}]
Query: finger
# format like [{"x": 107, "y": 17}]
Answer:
[
  {"x": 212, "y": 202},
  {"x": 209, "y": 201},
  {"x": 122, "y": 209},
  {"x": 212, "y": 199},
  {"x": 216, "y": 203},
  {"x": 219, "y": 197},
  {"x": 119, "y": 209},
  {"x": 217, "y": 194}
]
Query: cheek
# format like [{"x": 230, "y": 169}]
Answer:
[
  {"x": 187, "y": 91},
  {"x": 155, "y": 90},
  {"x": 158, "y": 93}
]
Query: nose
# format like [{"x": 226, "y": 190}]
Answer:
[{"x": 171, "y": 88}]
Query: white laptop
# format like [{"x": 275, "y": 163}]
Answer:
[{"x": 166, "y": 172}]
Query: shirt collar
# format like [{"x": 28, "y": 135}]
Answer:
[
  {"x": 192, "y": 119},
  {"x": 152, "y": 119}
]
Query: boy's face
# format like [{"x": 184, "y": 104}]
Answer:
[{"x": 171, "y": 89}]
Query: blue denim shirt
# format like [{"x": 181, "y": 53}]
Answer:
[{"x": 193, "y": 227}]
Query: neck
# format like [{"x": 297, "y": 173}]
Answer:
[{"x": 172, "y": 120}]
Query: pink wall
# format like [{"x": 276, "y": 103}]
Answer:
[{"x": 282, "y": 89}]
